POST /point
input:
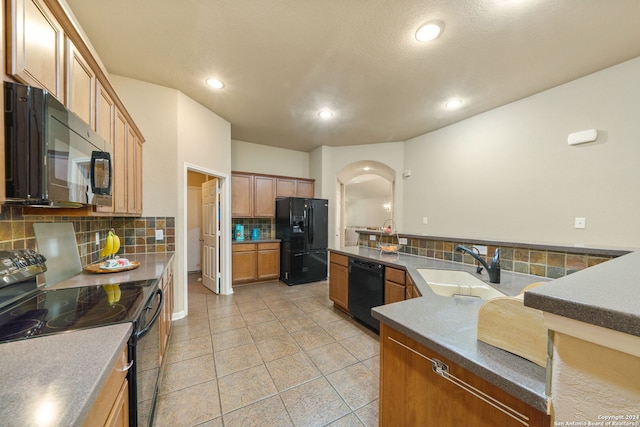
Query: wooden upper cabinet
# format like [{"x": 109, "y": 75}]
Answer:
[
  {"x": 241, "y": 196},
  {"x": 119, "y": 186},
  {"x": 305, "y": 188},
  {"x": 80, "y": 85},
  {"x": 137, "y": 205},
  {"x": 105, "y": 127},
  {"x": 293, "y": 187},
  {"x": 286, "y": 187},
  {"x": 36, "y": 45},
  {"x": 264, "y": 197},
  {"x": 131, "y": 171}
]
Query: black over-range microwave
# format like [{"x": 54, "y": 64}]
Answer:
[{"x": 53, "y": 158}]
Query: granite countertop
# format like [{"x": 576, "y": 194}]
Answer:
[
  {"x": 55, "y": 379},
  {"x": 449, "y": 325},
  {"x": 151, "y": 267},
  {"x": 604, "y": 295}
]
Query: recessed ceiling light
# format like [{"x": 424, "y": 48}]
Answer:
[
  {"x": 325, "y": 114},
  {"x": 367, "y": 168},
  {"x": 215, "y": 83},
  {"x": 453, "y": 104},
  {"x": 429, "y": 31}
]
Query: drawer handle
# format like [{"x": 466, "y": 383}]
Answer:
[{"x": 442, "y": 370}]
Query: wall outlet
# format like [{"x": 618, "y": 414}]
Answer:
[
  {"x": 159, "y": 234},
  {"x": 97, "y": 238},
  {"x": 580, "y": 223},
  {"x": 482, "y": 249},
  {"x": 402, "y": 240},
  {"x": 425, "y": 220},
  {"x": 372, "y": 237}
]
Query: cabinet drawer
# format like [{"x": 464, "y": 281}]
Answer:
[
  {"x": 268, "y": 246},
  {"x": 243, "y": 247},
  {"x": 394, "y": 275},
  {"x": 339, "y": 259}
]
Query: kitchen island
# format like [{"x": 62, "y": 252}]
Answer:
[{"x": 448, "y": 325}]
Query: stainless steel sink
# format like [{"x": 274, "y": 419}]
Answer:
[{"x": 452, "y": 283}]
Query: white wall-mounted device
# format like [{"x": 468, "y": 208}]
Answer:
[
  {"x": 581, "y": 137},
  {"x": 407, "y": 173}
]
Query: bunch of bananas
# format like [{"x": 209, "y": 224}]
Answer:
[
  {"x": 113, "y": 293},
  {"x": 112, "y": 246}
]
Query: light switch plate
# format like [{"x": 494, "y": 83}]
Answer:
[
  {"x": 402, "y": 240},
  {"x": 580, "y": 223},
  {"x": 159, "y": 234},
  {"x": 372, "y": 237}
]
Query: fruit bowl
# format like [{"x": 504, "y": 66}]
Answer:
[{"x": 388, "y": 248}]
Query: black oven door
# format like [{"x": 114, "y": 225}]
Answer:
[{"x": 144, "y": 350}]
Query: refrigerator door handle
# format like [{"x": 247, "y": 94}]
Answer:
[{"x": 311, "y": 223}]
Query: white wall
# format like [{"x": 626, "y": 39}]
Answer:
[
  {"x": 250, "y": 157},
  {"x": 177, "y": 131},
  {"x": 509, "y": 174}
]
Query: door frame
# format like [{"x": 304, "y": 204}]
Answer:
[{"x": 225, "y": 227}]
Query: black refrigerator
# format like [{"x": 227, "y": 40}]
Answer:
[{"x": 302, "y": 227}]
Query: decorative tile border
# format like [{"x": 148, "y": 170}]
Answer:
[
  {"x": 137, "y": 234},
  {"x": 521, "y": 259}
]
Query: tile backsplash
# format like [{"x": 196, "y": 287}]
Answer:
[
  {"x": 538, "y": 261},
  {"x": 267, "y": 227},
  {"x": 137, "y": 234}
]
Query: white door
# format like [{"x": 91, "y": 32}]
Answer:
[
  {"x": 210, "y": 235},
  {"x": 194, "y": 228}
]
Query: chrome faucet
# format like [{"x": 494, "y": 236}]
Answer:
[{"x": 493, "y": 270}]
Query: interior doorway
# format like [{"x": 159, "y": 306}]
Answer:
[{"x": 205, "y": 229}]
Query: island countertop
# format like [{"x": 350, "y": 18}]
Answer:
[{"x": 449, "y": 325}]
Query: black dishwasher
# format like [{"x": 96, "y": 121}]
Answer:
[{"x": 366, "y": 290}]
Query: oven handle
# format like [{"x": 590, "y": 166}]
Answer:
[{"x": 146, "y": 329}]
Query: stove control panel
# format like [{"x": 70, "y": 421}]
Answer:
[{"x": 19, "y": 265}]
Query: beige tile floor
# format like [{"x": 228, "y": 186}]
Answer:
[{"x": 268, "y": 355}]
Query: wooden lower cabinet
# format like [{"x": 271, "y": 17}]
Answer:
[
  {"x": 255, "y": 262},
  {"x": 394, "y": 285},
  {"x": 413, "y": 394},
  {"x": 111, "y": 407},
  {"x": 268, "y": 261},
  {"x": 339, "y": 281},
  {"x": 166, "y": 284}
]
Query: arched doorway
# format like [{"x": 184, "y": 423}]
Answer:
[{"x": 366, "y": 195}]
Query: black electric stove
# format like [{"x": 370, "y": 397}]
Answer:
[{"x": 52, "y": 311}]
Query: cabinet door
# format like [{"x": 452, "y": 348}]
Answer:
[
  {"x": 137, "y": 204},
  {"x": 286, "y": 187},
  {"x": 305, "y": 188},
  {"x": 268, "y": 261},
  {"x": 241, "y": 196},
  {"x": 131, "y": 170},
  {"x": 119, "y": 416},
  {"x": 36, "y": 61},
  {"x": 80, "y": 85},
  {"x": 264, "y": 200},
  {"x": 120, "y": 164},
  {"x": 244, "y": 263},
  {"x": 393, "y": 292},
  {"x": 105, "y": 127},
  {"x": 413, "y": 394},
  {"x": 339, "y": 285}
]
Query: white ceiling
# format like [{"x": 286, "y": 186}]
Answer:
[{"x": 284, "y": 60}]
